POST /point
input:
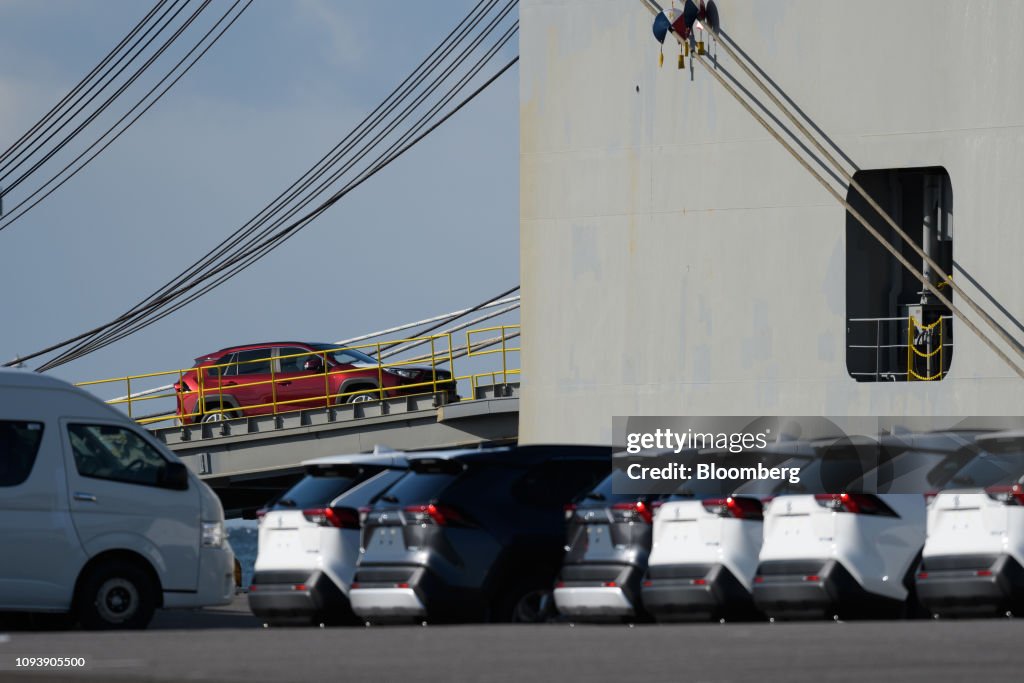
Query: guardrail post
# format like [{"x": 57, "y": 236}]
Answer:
[
  {"x": 504, "y": 358},
  {"x": 220, "y": 389},
  {"x": 878, "y": 347},
  {"x": 433, "y": 365},
  {"x": 380, "y": 374},
  {"x": 327, "y": 383},
  {"x": 909, "y": 347},
  {"x": 128, "y": 386},
  {"x": 451, "y": 365},
  {"x": 273, "y": 384},
  {"x": 178, "y": 400}
]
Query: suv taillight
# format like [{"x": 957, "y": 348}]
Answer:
[
  {"x": 631, "y": 512},
  {"x": 857, "y": 503},
  {"x": 740, "y": 508},
  {"x": 1007, "y": 495},
  {"x": 339, "y": 517},
  {"x": 570, "y": 511},
  {"x": 434, "y": 513}
]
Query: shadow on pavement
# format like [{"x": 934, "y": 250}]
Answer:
[{"x": 235, "y": 615}]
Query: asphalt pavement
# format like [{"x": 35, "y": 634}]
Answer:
[{"x": 228, "y": 644}]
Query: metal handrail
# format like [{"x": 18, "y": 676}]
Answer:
[
  {"x": 211, "y": 388},
  {"x": 906, "y": 344}
]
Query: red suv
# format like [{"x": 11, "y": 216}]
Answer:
[{"x": 257, "y": 379}]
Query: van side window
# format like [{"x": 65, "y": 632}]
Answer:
[
  {"x": 115, "y": 453},
  {"x": 19, "y": 444}
]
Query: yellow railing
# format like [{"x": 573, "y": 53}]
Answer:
[
  {"x": 211, "y": 392},
  {"x": 913, "y": 353},
  {"x": 483, "y": 348}
]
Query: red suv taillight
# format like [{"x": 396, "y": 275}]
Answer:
[
  {"x": 339, "y": 517},
  {"x": 1007, "y": 495},
  {"x": 630, "y": 512},
  {"x": 434, "y": 513},
  {"x": 739, "y": 508},
  {"x": 570, "y": 511},
  {"x": 857, "y": 503}
]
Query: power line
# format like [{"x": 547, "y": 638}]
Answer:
[
  {"x": 397, "y": 95},
  {"x": 81, "y": 84},
  {"x": 17, "y": 212},
  {"x": 37, "y": 147},
  {"x": 275, "y": 241},
  {"x": 239, "y": 265},
  {"x": 132, "y": 320},
  {"x": 11, "y": 167}
]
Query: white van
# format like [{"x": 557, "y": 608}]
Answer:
[{"x": 97, "y": 518}]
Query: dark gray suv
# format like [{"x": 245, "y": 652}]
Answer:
[{"x": 472, "y": 535}]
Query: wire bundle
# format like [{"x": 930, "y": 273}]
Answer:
[
  {"x": 416, "y": 107},
  {"x": 71, "y": 122}
]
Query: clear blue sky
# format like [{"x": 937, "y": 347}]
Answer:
[{"x": 437, "y": 230}]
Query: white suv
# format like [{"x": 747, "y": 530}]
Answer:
[
  {"x": 309, "y": 539},
  {"x": 852, "y": 551},
  {"x": 973, "y": 560},
  {"x": 706, "y": 543}
]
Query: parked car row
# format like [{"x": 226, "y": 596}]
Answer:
[
  {"x": 463, "y": 535},
  {"x": 524, "y": 534}
]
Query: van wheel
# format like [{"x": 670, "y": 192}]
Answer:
[{"x": 116, "y": 595}]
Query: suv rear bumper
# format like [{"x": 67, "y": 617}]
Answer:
[
  {"x": 387, "y": 603},
  {"x": 410, "y": 592},
  {"x": 955, "y": 585},
  {"x": 693, "y": 591},
  {"x": 297, "y": 594},
  {"x": 598, "y": 601},
  {"x": 588, "y": 590},
  {"x": 806, "y": 588}
]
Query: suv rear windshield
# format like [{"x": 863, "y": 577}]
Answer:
[
  {"x": 810, "y": 480},
  {"x": 913, "y": 472},
  {"x": 419, "y": 487},
  {"x": 720, "y": 487},
  {"x": 371, "y": 490},
  {"x": 316, "y": 491},
  {"x": 605, "y": 491},
  {"x": 990, "y": 469},
  {"x": 474, "y": 486}
]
